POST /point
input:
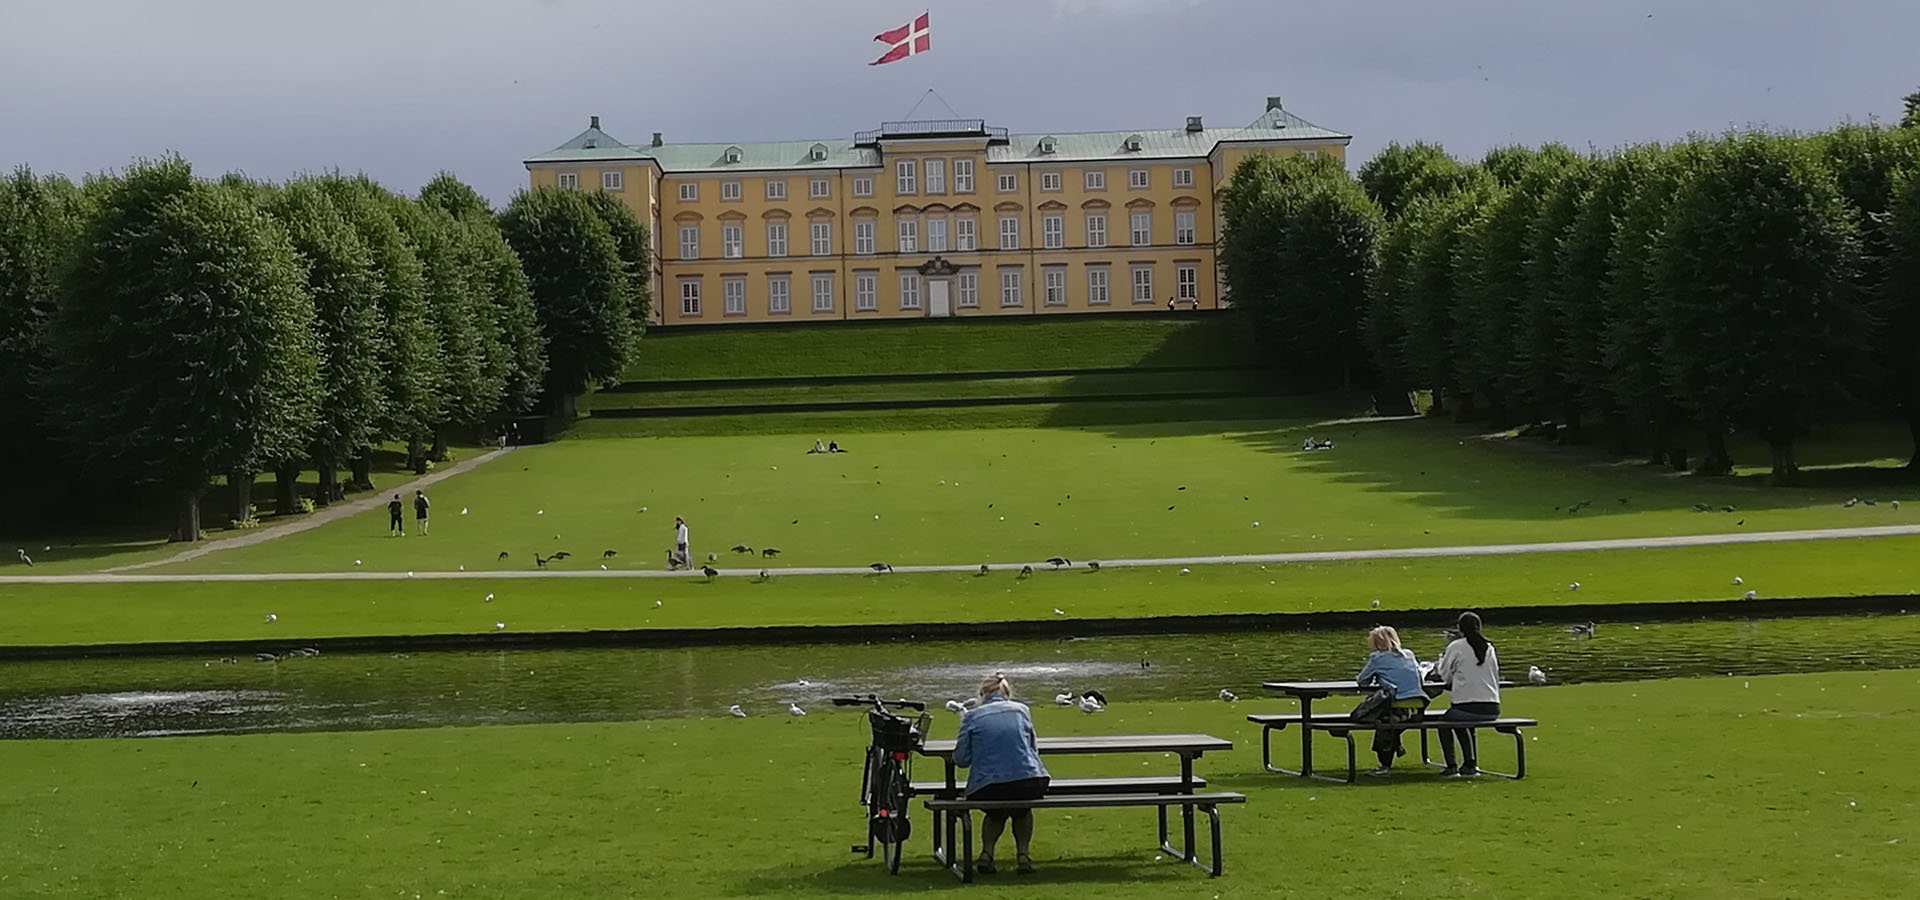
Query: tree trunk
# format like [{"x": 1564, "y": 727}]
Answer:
[
  {"x": 439, "y": 445},
  {"x": 187, "y": 525},
  {"x": 1437, "y": 402},
  {"x": 1392, "y": 401},
  {"x": 362, "y": 472},
  {"x": 417, "y": 455},
  {"x": 286, "y": 488},
  {"x": 1571, "y": 434},
  {"x": 1717, "y": 461},
  {"x": 1786, "y": 470},
  {"x": 242, "y": 484},
  {"x": 1913, "y": 426},
  {"x": 329, "y": 484},
  {"x": 1621, "y": 443}
]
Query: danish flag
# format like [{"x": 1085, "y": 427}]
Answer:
[{"x": 907, "y": 40}]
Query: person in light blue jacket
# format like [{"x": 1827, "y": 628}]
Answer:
[
  {"x": 1392, "y": 666},
  {"x": 996, "y": 746}
]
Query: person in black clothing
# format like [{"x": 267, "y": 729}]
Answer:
[
  {"x": 394, "y": 525},
  {"x": 420, "y": 504}
]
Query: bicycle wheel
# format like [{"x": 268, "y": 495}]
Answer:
[{"x": 900, "y": 827}]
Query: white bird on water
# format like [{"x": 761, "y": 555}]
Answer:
[
  {"x": 794, "y": 710},
  {"x": 1535, "y": 676},
  {"x": 736, "y": 712},
  {"x": 1228, "y": 695}
]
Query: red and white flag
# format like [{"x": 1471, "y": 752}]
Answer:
[{"x": 906, "y": 40}]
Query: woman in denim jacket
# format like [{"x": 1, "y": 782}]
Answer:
[{"x": 996, "y": 746}]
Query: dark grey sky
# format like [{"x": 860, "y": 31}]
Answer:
[{"x": 403, "y": 88}]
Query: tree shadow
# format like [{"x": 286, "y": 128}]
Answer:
[{"x": 919, "y": 872}]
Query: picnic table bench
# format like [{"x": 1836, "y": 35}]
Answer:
[
  {"x": 1343, "y": 726},
  {"x": 953, "y": 812}
]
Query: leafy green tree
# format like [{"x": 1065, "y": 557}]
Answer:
[
  {"x": 1540, "y": 351},
  {"x": 1910, "y": 117},
  {"x": 1383, "y": 324},
  {"x": 1632, "y": 347},
  {"x": 579, "y": 287},
  {"x": 1437, "y": 277},
  {"x": 1394, "y": 177},
  {"x": 1753, "y": 278},
  {"x": 1507, "y": 165},
  {"x": 1900, "y": 301},
  {"x": 346, "y": 289},
  {"x": 455, "y": 198},
  {"x": 410, "y": 343},
  {"x": 40, "y": 226},
  {"x": 1581, "y": 283},
  {"x": 184, "y": 341},
  {"x": 522, "y": 360},
  {"x": 636, "y": 260},
  {"x": 472, "y": 360}
]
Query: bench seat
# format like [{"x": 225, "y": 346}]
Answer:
[
  {"x": 1342, "y": 726},
  {"x": 950, "y": 812},
  {"x": 1151, "y": 784}
]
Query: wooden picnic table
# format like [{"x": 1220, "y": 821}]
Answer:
[
  {"x": 1188, "y": 747},
  {"x": 1308, "y": 691}
]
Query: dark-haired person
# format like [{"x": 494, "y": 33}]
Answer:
[
  {"x": 420, "y": 507},
  {"x": 395, "y": 525},
  {"x": 1471, "y": 669}
]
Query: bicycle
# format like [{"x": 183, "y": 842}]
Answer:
[{"x": 886, "y": 776}]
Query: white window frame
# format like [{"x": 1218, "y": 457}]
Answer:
[
  {"x": 819, "y": 188},
  {"x": 1053, "y": 285},
  {"x": 1095, "y": 179},
  {"x": 1139, "y": 179},
  {"x": 1099, "y": 286},
  {"x": 689, "y": 296},
  {"x": 1185, "y": 230},
  {"x": 934, "y": 171},
  {"x": 733, "y": 293},
  {"x": 906, "y": 178},
  {"x": 689, "y": 191},
  {"x": 1142, "y": 286},
  {"x": 1186, "y": 279},
  {"x": 733, "y": 241},
  {"x": 822, "y": 284},
  {"x": 936, "y": 234},
  {"x": 1140, "y": 229},
  {"x": 967, "y": 285},
  {"x": 866, "y": 290},
  {"x": 776, "y": 189},
  {"x": 1009, "y": 232},
  {"x": 909, "y": 290},
  {"x": 966, "y": 235},
  {"x": 779, "y": 295},
  {"x": 907, "y": 235},
  {"x": 963, "y": 176},
  {"x": 1096, "y": 229},
  {"x": 1183, "y": 178},
  {"x": 567, "y": 181},
  {"x": 1311, "y": 153},
  {"x": 776, "y": 238},
  {"x": 1050, "y": 181},
  {"x": 689, "y": 242},
  {"x": 1007, "y": 182},
  {"x": 863, "y": 239},
  {"x": 820, "y": 237},
  {"x": 1053, "y": 232},
  {"x": 1012, "y": 292},
  {"x": 863, "y": 186},
  {"x": 613, "y": 180},
  {"x": 730, "y": 191}
]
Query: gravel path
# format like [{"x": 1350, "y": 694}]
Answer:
[{"x": 752, "y": 570}]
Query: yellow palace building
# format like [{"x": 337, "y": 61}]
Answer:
[{"x": 930, "y": 218}]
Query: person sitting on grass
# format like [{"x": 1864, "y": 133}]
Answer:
[
  {"x": 817, "y": 447},
  {"x": 834, "y": 447},
  {"x": 1390, "y": 665},
  {"x": 996, "y": 746},
  {"x": 1472, "y": 672}
]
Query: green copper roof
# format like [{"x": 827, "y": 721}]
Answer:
[{"x": 1273, "y": 125}]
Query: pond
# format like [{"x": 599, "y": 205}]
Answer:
[{"x": 163, "y": 696}]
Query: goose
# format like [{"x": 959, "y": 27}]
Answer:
[
  {"x": 983, "y": 568},
  {"x": 1578, "y": 629},
  {"x": 880, "y": 567},
  {"x": 1535, "y": 676},
  {"x": 1228, "y": 695},
  {"x": 538, "y": 561},
  {"x": 1093, "y": 565},
  {"x": 742, "y": 548},
  {"x": 769, "y": 552},
  {"x": 1058, "y": 561},
  {"x": 1851, "y": 503},
  {"x": 503, "y": 555},
  {"x": 709, "y": 571},
  {"x": 794, "y": 710},
  {"x": 736, "y": 712},
  {"x": 561, "y": 555},
  {"x": 1025, "y": 571}
]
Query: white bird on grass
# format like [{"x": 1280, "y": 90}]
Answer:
[
  {"x": 1574, "y": 586},
  {"x": 499, "y": 626},
  {"x": 489, "y": 598},
  {"x": 24, "y": 557},
  {"x": 271, "y": 618},
  {"x": 1185, "y": 571},
  {"x": 1738, "y": 580},
  {"x": 1751, "y": 595},
  {"x": 1535, "y": 676},
  {"x": 1376, "y": 603},
  {"x": 356, "y": 562},
  {"x": 541, "y": 513},
  {"x": 1228, "y": 695},
  {"x": 1059, "y": 612},
  {"x": 955, "y": 706},
  {"x": 736, "y": 712},
  {"x": 1063, "y": 698},
  {"x": 658, "y": 603},
  {"x": 1092, "y": 702},
  {"x": 463, "y": 510},
  {"x": 794, "y": 710}
]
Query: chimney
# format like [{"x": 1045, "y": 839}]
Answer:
[
  {"x": 656, "y": 139},
  {"x": 1273, "y": 103},
  {"x": 1193, "y": 124},
  {"x": 593, "y": 122}
]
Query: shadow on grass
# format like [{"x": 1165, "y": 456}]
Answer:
[{"x": 919, "y": 872}]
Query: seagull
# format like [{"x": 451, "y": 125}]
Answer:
[
  {"x": 1228, "y": 695},
  {"x": 736, "y": 712},
  {"x": 1851, "y": 503},
  {"x": 1574, "y": 586},
  {"x": 1058, "y": 611},
  {"x": 955, "y": 706},
  {"x": 1376, "y": 603},
  {"x": 1063, "y": 699},
  {"x": 463, "y": 510},
  {"x": 1092, "y": 702},
  {"x": 1256, "y": 524},
  {"x": 1093, "y": 565},
  {"x": 1738, "y": 580},
  {"x": 1582, "y": 630},
  {"x": 709, "y": 571},
  {"x": 880, "y": 567},
  {"x": 489, "y": 598},
  {"x": 603, "y": 567},
  {"x": 1025, "y": 571},
  {"x": 1872, "y": 502},
  {"x": 1185, "y": 571},
  {"x": 499, "y": 626},
  {"x": 1058, "y": 561},
  {"x": 983, "y": 568},
  {"x": 1751, "y": 595},
  {"x": 24, "y": 557},
  {"x": 265, "y": 657},
  {"x": 1535, "y": 676},
  {"x": 713, "y": 557},
  {"x": 609, "y": 554},
  {"x": 271, "y": 618},
  {"x": 1894, "y": 503},
  {"x": 541, "y": 513},
  {"x": 794, "y": 710},
  {"x": 356, "y": 562}
]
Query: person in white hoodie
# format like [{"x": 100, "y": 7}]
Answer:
[{"x": 1471, "y": 670}]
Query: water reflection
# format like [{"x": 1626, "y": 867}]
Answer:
[{"x": 181, "y": 696}]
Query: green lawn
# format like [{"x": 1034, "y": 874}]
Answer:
[
  {"x": 1026, "y": 344},
  {"x": 1241, "y": 381},
  {"x": 1020, "y": 494},
  {"x": 95, "y": 614},
  {"x": 1787, "y": 786}
]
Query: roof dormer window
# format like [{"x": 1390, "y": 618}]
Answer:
[
  {"x": 1047, "y": 144},
  {"x": 1133, "y": 143},
  {"x": 817, "y": 153},
  {"x": 733, "y": 154}
]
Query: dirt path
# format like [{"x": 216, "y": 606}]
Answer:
[
  {"x": 752, "y": 569},
  {"x": 336, "y": 512}
]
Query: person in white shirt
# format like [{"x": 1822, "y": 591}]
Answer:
[
  {"x": 680, "y": 547},
  {"x": 1471, "y": 670}
]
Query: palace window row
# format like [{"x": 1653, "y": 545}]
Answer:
[
  {"x": 940, "y": 234},
  {"x": 823, "y": 289}
]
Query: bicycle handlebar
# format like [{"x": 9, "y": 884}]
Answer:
[{"x": 874, "y": 700}]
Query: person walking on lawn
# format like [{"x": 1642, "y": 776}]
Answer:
[
  {"x": 681, "y": 547},
  {"x": 420, "y": 505},
  {"x": 395, "y": 525}
]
